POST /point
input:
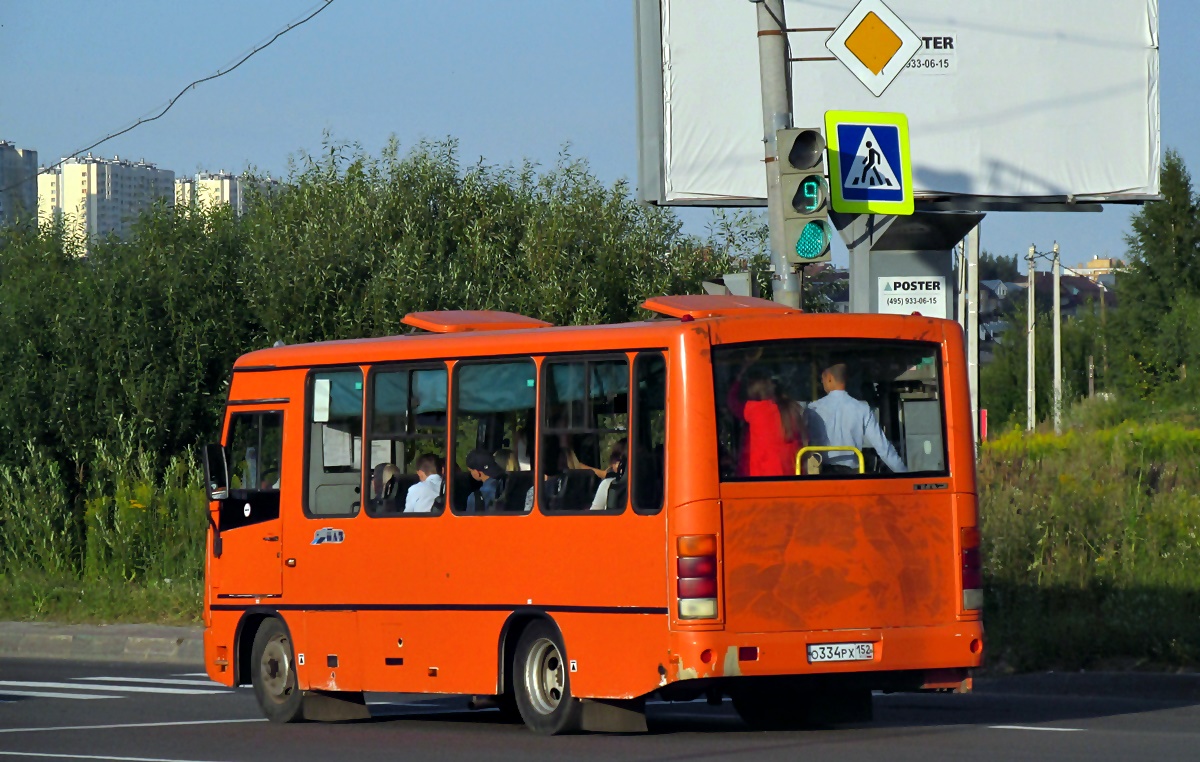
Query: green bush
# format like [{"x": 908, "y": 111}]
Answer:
[{"x": 1090, "y": 545}]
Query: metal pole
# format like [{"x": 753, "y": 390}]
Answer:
[
  {"x": 1057, "y": 342},
  {"x": 1030, "y": 401},
  {"x": 961, "y": 314},
  {"x": 971, "y": 249},
  {"x": 777, "y": 114}
]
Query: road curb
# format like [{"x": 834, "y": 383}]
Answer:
[{"x": 151, "y": 644}]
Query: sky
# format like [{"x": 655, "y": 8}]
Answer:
[{"x": 509, "y": 79}]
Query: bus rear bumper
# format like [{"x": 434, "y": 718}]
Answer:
[{"x": 935, "y": 657}]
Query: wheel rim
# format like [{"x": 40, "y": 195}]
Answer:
[
  {"x": 545, "y": 677},
  {"x": 276, "y": 669}
]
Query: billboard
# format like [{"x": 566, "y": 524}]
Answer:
[{"x": 1043, "y": 101}]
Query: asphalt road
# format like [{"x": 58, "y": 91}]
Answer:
[{"x": 130, "y": 713}]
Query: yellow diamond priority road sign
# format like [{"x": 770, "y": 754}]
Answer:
[{"x": 874, "y": 44}]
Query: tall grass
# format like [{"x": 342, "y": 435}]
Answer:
[
  {"x": 1091, "y": 548},
  {"x": 129, "y": 547}
]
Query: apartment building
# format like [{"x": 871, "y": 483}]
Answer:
[
  {"x": 209, "y": 189},
  {"x": 49, "y": 196},
  {"x": 98, "y": 196},
  {"x": 185, "y": 191},
  {"x": 18, "y": 183}
]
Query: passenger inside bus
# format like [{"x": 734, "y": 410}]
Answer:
[
  {"x": 385, "y": 483},
  {"x": 774, "y": 429},
  {"x": 839, "y": 420},
  {"x": 612, "y": 489},
  {"x": 491, "y": 478},
  {"x": 422, "y": 495}
]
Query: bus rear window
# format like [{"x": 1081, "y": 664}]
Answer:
[{"x": 829, "y": 409}]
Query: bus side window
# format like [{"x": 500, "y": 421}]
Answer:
[
  {"x": 649, "y": 431},
  {"x": 494, "y": 405},
  {"x": 335, "y": 428},
  {"x": 408, "y": 421},
  {"x": 585, "y": 435}
]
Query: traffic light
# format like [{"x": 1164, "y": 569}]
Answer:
[{"x": 805, "y": 194}]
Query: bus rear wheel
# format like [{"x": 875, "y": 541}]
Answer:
[
  {"x": 542, "y": 683},
  {"x": 273, "y": 673}
]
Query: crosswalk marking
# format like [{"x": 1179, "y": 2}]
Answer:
[
  {"x": 47, "y": 755},
  {"x": 60, "y": 728},
  {"x": 53, "y": 694},
  {"x": 105, "y": 687},
  {"x": 151, "y": 680}
]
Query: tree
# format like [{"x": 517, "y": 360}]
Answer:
[
  {"x": 998, "y": 267},
  {"x": 1164, "y": 267}
]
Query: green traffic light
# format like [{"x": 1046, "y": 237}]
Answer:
[
  {"x": 813, "y": 241},
  {"x": 811, "y": 195}
]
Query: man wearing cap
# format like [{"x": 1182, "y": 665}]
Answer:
[{"x": 483, "y": 469}]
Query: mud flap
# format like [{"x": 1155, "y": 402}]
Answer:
[
  {"x": 605, "y": 716},
  {"x": 322, "y": 706}
]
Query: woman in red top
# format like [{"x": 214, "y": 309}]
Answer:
[{"x": 774, "y": 430}]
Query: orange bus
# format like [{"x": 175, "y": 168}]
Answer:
[{"x": 733, "y": 499}]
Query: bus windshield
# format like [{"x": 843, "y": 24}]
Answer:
[{"x": 829, "y": 409}]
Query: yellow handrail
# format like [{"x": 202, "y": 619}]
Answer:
[{"x": 862, "y": 463}]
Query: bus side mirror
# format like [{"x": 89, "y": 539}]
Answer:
[{"x": 216, "y": 472}]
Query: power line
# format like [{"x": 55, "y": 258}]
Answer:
[{"x": 220, "y": 73}]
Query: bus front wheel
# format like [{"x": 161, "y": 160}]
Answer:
[
  {"x": 273, "y": 672},
  {"x": 542, "y": 682}
]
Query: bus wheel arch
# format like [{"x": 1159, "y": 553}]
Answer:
[
  {"x": 510, "y": 634},
  {"x": 243, "y": 639}
]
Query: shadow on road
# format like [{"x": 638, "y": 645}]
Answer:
[{"x": 1024, "y": 700}]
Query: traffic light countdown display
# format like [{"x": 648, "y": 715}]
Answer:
[{"x": 805, "y": 194}]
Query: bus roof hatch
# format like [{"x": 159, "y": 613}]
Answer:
[
  {"x": 713, "y": 305},
  {"x": 459, "y": 321}
]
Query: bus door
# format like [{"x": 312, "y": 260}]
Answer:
[{"x": 250, "y": 564}]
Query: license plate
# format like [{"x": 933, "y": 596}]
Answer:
[{"x": 841, "y": 652}]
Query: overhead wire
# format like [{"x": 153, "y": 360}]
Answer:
[{"x": 219, "y": 73}]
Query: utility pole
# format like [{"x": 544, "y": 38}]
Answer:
[
  {"x": 960, "y": 314},
  {"x": 1057, "y": 342},
  {"x": 1030, "y": 354},
  {"x": 773, "y": 68}
]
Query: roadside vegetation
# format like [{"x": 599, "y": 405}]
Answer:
[
  {"x": 1092, "y": 542},
  {"x": 117, "y": 363}
]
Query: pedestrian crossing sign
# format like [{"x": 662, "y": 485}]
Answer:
[{"x": 870, "y": 171}]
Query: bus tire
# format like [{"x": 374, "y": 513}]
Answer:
[
  {"x": 273, "y": 673},
  {"x": 542, "y": 683}
]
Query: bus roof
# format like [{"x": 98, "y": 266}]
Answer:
[{"x": 473, "y": 333}]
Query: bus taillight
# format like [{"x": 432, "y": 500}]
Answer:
[
  {"x": 697, "y": 576},
  {"x": 972, "y": 572}
]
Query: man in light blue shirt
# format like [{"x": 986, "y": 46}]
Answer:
[{"x": 839, "y": 420}]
